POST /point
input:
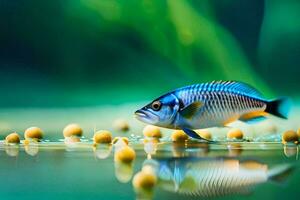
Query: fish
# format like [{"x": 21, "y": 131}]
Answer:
[
  {"x": 215, "y": 177},
  {"x": 212, "y": 104}
]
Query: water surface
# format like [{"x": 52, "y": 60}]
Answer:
[{"x": 79, "y": 171}]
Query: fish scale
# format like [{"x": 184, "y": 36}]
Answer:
[{"x": 222, "y": 100}]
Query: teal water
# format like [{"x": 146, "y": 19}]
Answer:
[{"x": 77, "y": 171}]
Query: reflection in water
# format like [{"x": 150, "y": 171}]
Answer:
[
  {"x": 291, "y": 150},
  {"x": 150, "y": 146},
  {"x": 71, "y": 143},
  {"x": 12, "y": 150},
  {"x": 190, "y": 149},
  {"x": 206, "y": 177},
  {"x": 102, "y": 151},
  {"x": 145, "y": 180},
  {"x": 119, "y": 143},
  {"x": 182, "y": 170},
  {"x": 123, "y": 157},
  {"x": 234, "y": 149},
  {"x": 32, "y": 148},
  {"x": 123, "y": 171}
]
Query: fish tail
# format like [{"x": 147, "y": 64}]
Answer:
[
  {"x": 279, "y": 107},
  {"x": 280, "y": 173}
]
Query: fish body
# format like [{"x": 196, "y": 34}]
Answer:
[
  {"x": 205, "y": 105},
  {"x": 215, "y": 177}
]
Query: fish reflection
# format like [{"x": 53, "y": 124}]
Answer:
[{"x": 215, "y": 177}]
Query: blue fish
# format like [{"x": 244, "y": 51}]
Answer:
[{"x": 213, "y": 104}]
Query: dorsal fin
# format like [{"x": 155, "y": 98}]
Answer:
[{"x": 235, "y": 87}]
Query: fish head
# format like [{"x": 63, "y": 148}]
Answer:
[{"x": 160, "y": 112}]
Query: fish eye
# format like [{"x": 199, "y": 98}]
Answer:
[{"x": 156, "y": 105}]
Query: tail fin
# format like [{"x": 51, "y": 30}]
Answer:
[
  {"x": 279, "y": 107},
  {"x": 280, "y": 173}
]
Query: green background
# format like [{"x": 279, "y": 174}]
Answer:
[
  {"x": 93, "y": 61},
  {"x": 88, "y": 52}
]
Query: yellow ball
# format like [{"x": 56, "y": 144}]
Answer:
[
  {"x": 179, "y": 136},
  {"x": 204, "y": 134},
  {"x": 121, "y": 125},
  {"x": 102, "y": 136},
  {"x": 289, "y": 136},
  {"x": 144, "y": 181},
  {"x": 126, "y": 155},
  {"x": 235, "y": 133},
  {"x": 33, "y": 133},
  {"x": 152, "y": 131},
  {"x": 13, "y": 138},
  {"x": 72, "y": 130},
  {"x": 124, "y": 139}
]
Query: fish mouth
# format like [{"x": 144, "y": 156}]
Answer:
[
  {"x": 146, "y": 116},
  {"x": 140, "y": 113}
]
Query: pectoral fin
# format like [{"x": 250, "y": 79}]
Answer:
[
  {"x": 193, "y": 134},
  {"x": 190, "y": 110}
]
